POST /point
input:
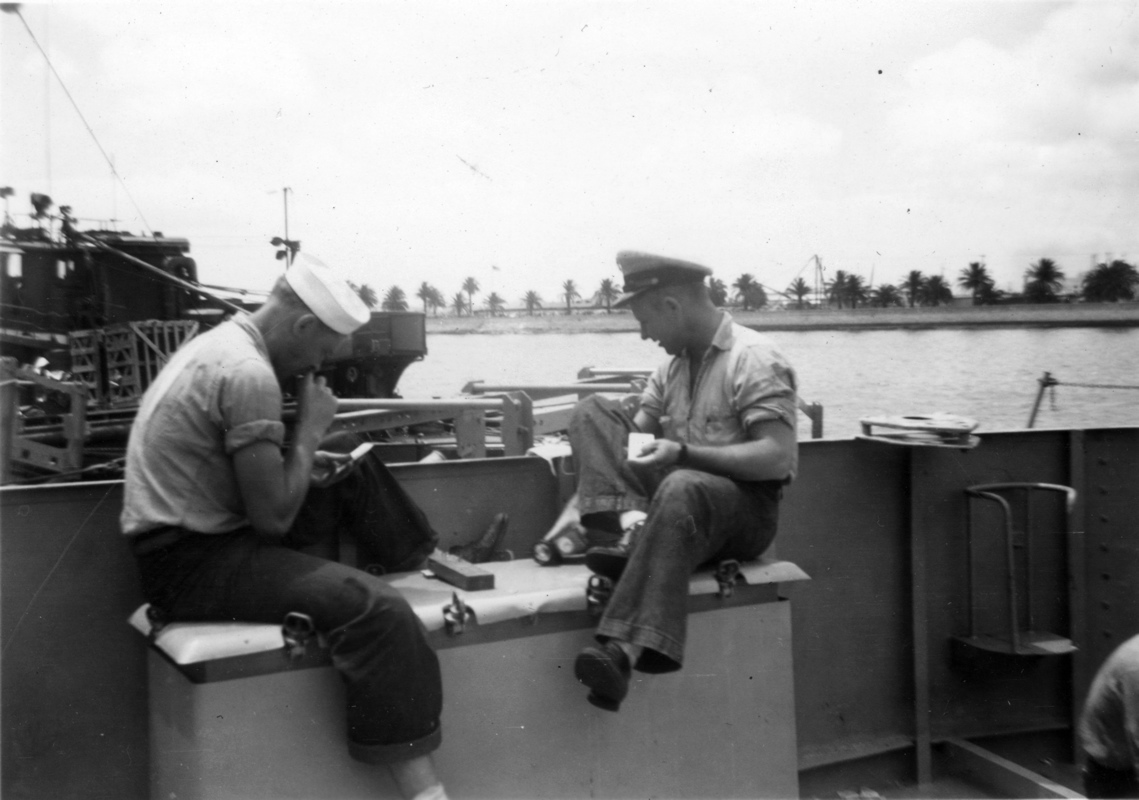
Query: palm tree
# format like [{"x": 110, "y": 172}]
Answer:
[
  {"x": 990, "y": 295},
  {"x": 717, "y": 292},
  {"x": 458, "y": 302},
  {"x": 425, "y": 293},
  {"x": 975, "y": 278},
  {"x": 569, "y": 292},
  {"x": 494, "y": 304},
  {"x": 912, "y": 285},
  {"x": 887, "y": 295},
  {"x": 745, "y": 286},
  {"x": 800, "y": 289},
  {"x": 1044, "y": 280},
  {"x": 437, "y": 301},
  {"x": 609, "y": 293},
  {"x": 532, "y": 301},
  {"x": 856, "y": 291},
  {"x": 758, "y": 296},
  {"x": 936, "y": 291},
  {"x": 395, "y": 300},
  {"x": 1110, "y": 283},
  {"x": 837, "y": 287},
  {"x": 470, "y": 286},
  {"x": 366, "y": 294}
]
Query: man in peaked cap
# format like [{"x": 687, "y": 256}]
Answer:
[
  {"x": 215, "y": 511},
  {"x": 707, "y": 488}
]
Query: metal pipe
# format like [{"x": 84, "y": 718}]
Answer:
[
  {"x": 401, "y": 404},
  {"x": 477, "y": 387},
  {"x": 1044, "y": 382},
  {"x": 1028, "y": 570}
]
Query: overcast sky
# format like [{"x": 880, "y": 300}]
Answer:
[{"x": 436, "y": 141}]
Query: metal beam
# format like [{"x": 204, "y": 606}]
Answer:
[{"x": 1007, "y": 778}]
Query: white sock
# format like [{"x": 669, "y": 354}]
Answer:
[
  {"x": 631, "y": 518},
  {"x": 435, "y": 792}
]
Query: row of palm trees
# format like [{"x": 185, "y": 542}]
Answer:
[{"x": 1044, "y": 281}]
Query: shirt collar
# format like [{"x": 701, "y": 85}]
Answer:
[
  {"x": 723, "y": 338},
  {"x": 725, "y": 335},
  {"x": 244, "y": 321}
]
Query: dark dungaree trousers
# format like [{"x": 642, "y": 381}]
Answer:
[
  {"x": 376, "y": 641},
  {"x": 694, "y": 518}
]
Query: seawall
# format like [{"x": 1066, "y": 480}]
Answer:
[{"x": 1075, "y": 315}]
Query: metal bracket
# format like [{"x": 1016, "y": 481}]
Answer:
[
  {"x": 297, "y": 631},
  {"x": 456, "y": 614},
  {"x": 157, "y": 619},
  {"x": 727, "y": 575},
  {"x": 597, "y": 594}
]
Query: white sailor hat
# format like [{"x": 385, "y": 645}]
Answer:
[
  {"x": 645, "y": 271},
  {"x": 327, "y": 294}
]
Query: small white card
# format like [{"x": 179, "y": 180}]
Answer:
[{"x": 637, "y": 443}]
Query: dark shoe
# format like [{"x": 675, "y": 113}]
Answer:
[
  {"x": 607, "y": 561},
  {"x": 605, "y": 670}
]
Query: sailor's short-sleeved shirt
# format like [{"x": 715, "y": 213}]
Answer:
[
  {"x": 743, "y": 379},
  {"x": 217, "y": 394}
]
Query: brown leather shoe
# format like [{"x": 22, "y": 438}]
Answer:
[{"x": 605, "y": 670}]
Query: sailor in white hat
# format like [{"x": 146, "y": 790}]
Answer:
[
  {"x": 212, "y": 508},
  {"x": 327, "y": 294}
]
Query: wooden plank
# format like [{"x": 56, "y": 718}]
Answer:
[{"x": 459, "y": 572}]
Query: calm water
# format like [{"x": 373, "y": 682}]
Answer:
[{"x": 990, "y": 375}]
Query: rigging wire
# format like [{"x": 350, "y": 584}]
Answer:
[
  {"x": 13, "y": 8},
  {"x": 1095, "y": 385}
]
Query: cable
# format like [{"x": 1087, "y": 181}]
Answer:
[
  {"x": 15, "y": 9},
  {"x": 1096, "y": 385}
]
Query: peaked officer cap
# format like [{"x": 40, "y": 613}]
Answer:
[{"x": 645, "y": 271}]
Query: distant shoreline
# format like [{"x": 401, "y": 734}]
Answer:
[{"x": 1060, "y": 315}]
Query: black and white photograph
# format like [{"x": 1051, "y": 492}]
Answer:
[{"x": 569, "y": 399}]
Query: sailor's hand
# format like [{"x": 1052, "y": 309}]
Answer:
[
  {"x": 316, "y": 404},
  {"x": 657, "y": 453},
  {"x": 329, "y": 468}
]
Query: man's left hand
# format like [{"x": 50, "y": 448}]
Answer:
[
  {"x": 658, "y": 453},
  {"x": 329, "y": 468}
]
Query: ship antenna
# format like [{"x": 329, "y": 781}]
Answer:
[{"x": 14, "y": 8}]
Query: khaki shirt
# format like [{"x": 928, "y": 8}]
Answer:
[
  {"x": 1109, "y": 724},
  {"x": 742, "y": 379},
  {"x": 217, "y": 394}
]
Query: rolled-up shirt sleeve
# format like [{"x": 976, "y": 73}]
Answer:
[
  {"x": 250, "y": 407},
  {"x": 765, "y": 389}
]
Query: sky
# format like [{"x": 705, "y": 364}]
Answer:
[{"x": 525, "y": 143}]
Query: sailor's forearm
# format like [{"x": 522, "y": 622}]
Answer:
[{"x": 762, "y": 460}]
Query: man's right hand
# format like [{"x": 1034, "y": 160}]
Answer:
[{"x": 316, "y": 405}]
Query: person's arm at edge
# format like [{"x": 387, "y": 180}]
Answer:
[{"x": 273, "y": 486}]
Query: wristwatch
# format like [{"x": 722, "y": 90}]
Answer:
[{"x": 682, "y": 459}]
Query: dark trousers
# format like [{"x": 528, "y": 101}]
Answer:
[
  {"x": 376, "y": 641},
  {"x": 693, "y": 517}
]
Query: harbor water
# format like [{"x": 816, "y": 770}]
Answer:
[{"x": 989, "y": 374}]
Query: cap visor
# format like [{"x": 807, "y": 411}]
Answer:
[{"x": 627, "y": 297}]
